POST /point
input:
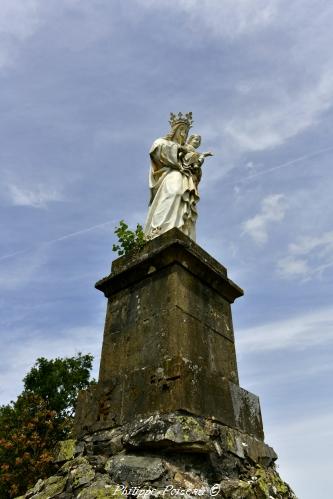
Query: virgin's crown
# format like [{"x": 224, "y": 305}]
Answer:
[{"x": 176, "y": 119}]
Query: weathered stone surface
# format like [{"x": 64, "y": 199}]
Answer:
[
  {"x": 245, "y": 446},
  {"x": 176, "y": 386},
  {"x": 49, "y": 488},
  {"x": 187, "y": 480},
  {"x": 184, "y": 432},
  {"x": 39, "y": 484},
  {"x": 72, "y": 464},
  {"x": 97, "y": 461},
  {"x": 79, "y": 447},
  {"x": 65, "y": 450},
  {"x": 82, "y": 474},
  {"x": 100, "y": 489},
  {"x": 133, "y": 469},
  {"x": 168, "y": 341},
  {"x": 259, "y": 483},
  {"x": 176, "y": 450},
  {"x": 155, "y": 255},
  {"x": 107, "y": 442},
  {"x": 101, "y": 493}
]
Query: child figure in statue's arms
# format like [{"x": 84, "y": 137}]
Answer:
[{"x": 192, "y": 159}]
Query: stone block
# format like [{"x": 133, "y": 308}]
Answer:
[
  {"x": 65, "y": 450},
  {"x": 134, "y": 469},
  {"x": 168, "y": 341}
]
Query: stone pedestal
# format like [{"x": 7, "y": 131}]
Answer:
[
  {"x": 167, "y": 417},
  {"x": 168, "y": 341}
]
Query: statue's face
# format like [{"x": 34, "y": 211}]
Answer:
[
  {"x": 196, "y": 141},
  {"x": 181, "y": 135}
]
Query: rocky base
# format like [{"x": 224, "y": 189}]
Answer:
[{"x": 171, "y": 456}]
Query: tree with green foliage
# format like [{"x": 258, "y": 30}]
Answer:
[
  {"x": 128, "y": 240},
  {"x": 58, "y": 381},
  {"x": 43, "y": 414}
]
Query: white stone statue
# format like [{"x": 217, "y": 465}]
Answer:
[{"x": 174, "y": 176}]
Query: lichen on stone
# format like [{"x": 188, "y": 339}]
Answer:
[
  {"x": 77, "y": 461},
  {"x": 186, "y": 429},
  {"x": 65, "y": 450},
  {"x": 82, "y": 475},
  {"x": 50, "y": 488},
  {"x": 100, "y": 492},
  {"x": 166, "y": 449}
]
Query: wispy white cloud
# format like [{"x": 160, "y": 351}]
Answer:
[
  {"x": 278, "y": 105},
  {"x": 210, "y": 16},
  {"x": 274, "y": 106},
  {"x": 18, "y": 21},
  {"x": 290, "y": 266},
  {"x": 322, "y": 244},
  {"x": 273, "y": 208},
  {"x": 287, "y": 114},
  {"x": 300, "y": 332},
  {"x": 37, "y": 197},
  {"x": 307, "y": 257}
]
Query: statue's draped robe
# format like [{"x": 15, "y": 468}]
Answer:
[{"x": 173, "y": 192}]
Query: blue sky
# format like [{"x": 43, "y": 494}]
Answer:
[{"x": 86, "y": 86}]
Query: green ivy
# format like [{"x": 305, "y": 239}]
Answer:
[{"x": 128, "y": 240}]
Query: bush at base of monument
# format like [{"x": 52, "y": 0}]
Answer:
[
  {"x": 29, "y": 430},
  {"x": 43, "y": 414}
]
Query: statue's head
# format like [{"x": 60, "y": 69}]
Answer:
[
  {"x": 180, "y": 125},
  {"x": 194, "y": 140}
]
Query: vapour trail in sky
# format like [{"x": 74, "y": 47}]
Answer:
[
  {"x": 293, "y": 162},
  {"x": 53, "y": 241}
]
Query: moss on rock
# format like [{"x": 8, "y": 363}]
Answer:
[
  {"x": 50, "y": 487},
  {"x": 259, "y": 483},
  {"x": 165, "y": 450},
  {"x": 72, "y": 463},
  {"x": 65, "y": 450},
  {"x": 186, "y": 429},
  {"x": 98, "y": 492},
  {"x": 82, "y": 475}
]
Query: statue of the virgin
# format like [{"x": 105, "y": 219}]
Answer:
[{"x": 174, "y": 175}]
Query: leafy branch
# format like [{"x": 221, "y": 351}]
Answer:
[{"x": 128, "y": 240}]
